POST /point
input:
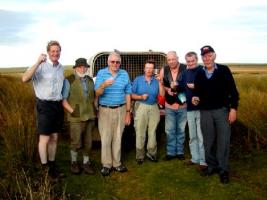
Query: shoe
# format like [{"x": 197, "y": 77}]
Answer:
[
  {"x": 120, "y": 168},
  {"x": 169, "y": 157},
  {"x": 140, "y": 161},
  {"x": 189, "y": 163},
  {"x": 105, "y": 171},
  {"x": 224, "y": 177},
  {"x": 88, "y": 169},
  {"x": 205, "y": 172},
  {"x": 208, "y": 171},
  {"x": 151, "y": 158},
  {"x": 53, "y": 171},
  {"x": 180, "y": 157},
  {"x": 74, "y": 168},
  {"x": 202, "y": 167},
  {"x": 44, "y": 169}
]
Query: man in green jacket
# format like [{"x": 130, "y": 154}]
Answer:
[{"x": 78, "y": 100}]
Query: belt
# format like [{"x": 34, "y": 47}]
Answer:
[
  {"x": 44, "y": 100},
  {"x": 112, "y": 107}
]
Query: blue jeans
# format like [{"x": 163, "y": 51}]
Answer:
[
  {"x": 196, "y": 138},
  {"x": 175, "y": 122}
]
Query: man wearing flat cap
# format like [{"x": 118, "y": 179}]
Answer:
[
  {"x": 215, "y": 92},
  {"x": 78, "y": 99}
]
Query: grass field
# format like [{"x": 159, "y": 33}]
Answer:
[
  {"x": 166, "y": 180},
  {"x": 248, "y": 68}
]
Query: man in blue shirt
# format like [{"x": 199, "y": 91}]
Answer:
[
  {"x": 146, "y": 88},
  {"x": 113, "y": 87}
]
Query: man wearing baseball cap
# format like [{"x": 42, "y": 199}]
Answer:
[
  {"x": 78, "y": 99},
  {"x": 215, "y": 92}
]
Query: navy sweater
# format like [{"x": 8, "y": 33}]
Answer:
[
  {"x": 218, "y": 91},
  {"x": 188, "y": 76}
]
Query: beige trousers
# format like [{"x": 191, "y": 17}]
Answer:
[
  {"x": 145, "y": 122},
  {"x": 81, "y": 136},
  {"x": 111, "y": 123}
]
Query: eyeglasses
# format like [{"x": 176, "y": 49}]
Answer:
[{"x": 117, "y": 62}]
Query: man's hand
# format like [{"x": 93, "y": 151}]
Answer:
[
  {"x": 108, "y": 82},
  {"x": 190, "y": 85},
  {"x": 232, "y": 116},
  {"x": 76, "y": 111},
  {"x": 158, "y": 78},
  {"x": 41, "y": 58},
  {"x": 169, "y": 91},
  {"x": 195, "y": 100},
  {"x": 128, "y": 118},
  {"x": 144, "y": 96}
]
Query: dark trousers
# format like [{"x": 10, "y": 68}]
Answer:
[
  {"x": 216, "y": 132},
  {"x": 50, "y": 117}
]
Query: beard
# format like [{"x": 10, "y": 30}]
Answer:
[{"x": 82, "y": 75}]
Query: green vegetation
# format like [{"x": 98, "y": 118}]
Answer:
[
  {"x": 253, "y": 105},
  {"x": 20, "y": 176},
  {"x": 167, "y": 180}
]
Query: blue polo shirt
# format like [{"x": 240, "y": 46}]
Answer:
[
  {"x": 142, "y": 86},
  {"x": 114, "y": 94}
]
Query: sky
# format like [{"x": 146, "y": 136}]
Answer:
[{"x": 236, "y": 29}]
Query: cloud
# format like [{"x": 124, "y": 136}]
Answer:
[
  {"x": 84, "y": 29},
  {"x": 12, "y": 26}
]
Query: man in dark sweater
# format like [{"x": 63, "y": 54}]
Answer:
[{"x": 215, "y": 92}]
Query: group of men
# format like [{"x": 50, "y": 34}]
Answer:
[{"x": 210, "y": 107}]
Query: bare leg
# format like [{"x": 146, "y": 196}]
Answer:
[
  {"x": 52, "y": 146},
  {"x": 42, "y": 147}
]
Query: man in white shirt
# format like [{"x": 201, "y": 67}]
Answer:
[{"x": 48, "y": 76}]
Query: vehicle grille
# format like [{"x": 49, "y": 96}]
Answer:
[{"x": 132, "y": 62}]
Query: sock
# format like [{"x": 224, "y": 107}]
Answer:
[
  {"x": 51, "y": 164},
  {"x": 85, "y": 159},
  {"x": 74, "y": 155}
]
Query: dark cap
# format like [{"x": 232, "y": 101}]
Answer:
[
  {"x": 206, "y": 49},
  {"x": 81, "y": 62}
]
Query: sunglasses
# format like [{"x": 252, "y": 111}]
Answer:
[{"x": 117, "y": 62}]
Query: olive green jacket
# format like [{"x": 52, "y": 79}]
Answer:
[{"x": 83, "y": 105}]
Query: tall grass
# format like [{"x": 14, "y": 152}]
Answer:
[
  {"x": 18, "y": 132},
  {"x": 253, "y": 108},
  {"x": 17, "y": 122},
  {"x": 28, "y": 188}
]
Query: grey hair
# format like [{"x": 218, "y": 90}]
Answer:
[
  {"x": 115, "y": 54},
  {"x": 172, "y": 53}
]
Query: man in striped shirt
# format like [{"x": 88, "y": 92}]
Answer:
[{"x": 113, "y": 87}]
